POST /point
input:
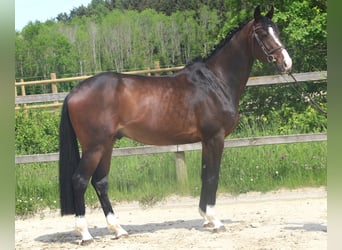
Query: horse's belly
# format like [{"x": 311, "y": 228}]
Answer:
[{"x": 159, "y": 136}]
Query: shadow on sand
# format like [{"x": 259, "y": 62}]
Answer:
[
  {"x": 98, "y": 232},
  {"x": 309, "y": 227}
]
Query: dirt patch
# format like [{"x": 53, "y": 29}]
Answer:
[{"x": 283, "y": 219}]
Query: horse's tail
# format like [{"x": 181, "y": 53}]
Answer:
[{"x": 69, "y": 158}]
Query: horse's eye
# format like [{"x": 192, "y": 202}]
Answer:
[{"x": 264, "y": 34}]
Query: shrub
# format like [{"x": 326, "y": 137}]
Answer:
[{"x": 36, "y": 132}]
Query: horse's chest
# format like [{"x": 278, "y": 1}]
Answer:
[{"x": 215, "y": 120}]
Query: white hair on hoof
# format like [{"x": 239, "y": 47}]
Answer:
[
  {"x": 115, "y": 227},
  {"x": 82, "y": 229},
  {"x": 210, "y": 220}
]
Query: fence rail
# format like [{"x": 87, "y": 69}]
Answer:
[
  {"x": 56, "y": 97},
  {"x": 179, "y": 150},
  {"x": 228, "y": 143}
]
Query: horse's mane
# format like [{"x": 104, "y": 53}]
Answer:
[
  {"x": 220, "y": 45},
  {"x": 198, "y": 72}
]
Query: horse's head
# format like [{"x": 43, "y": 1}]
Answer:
[{"x": 267, "y": 46}]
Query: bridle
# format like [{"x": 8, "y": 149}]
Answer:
[{"x": 269, "y": 53}]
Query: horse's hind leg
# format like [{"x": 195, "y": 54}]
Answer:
[
  {"x": 89, "y": 161},
  {"x": 100, "y": 184}
]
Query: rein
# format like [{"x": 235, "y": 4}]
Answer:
[
  {"x": 268, "y": 53},
  {"x": 311, "y": 101}
]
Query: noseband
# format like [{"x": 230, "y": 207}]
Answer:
[{"x": 268, "y": 53}]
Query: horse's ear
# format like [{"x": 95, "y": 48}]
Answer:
[
  {"x": 270, "y": 13},
  {"x": 257, "y": 13}
]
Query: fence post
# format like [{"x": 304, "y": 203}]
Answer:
[
  {"x": 54, "y": 89},
  {"x": 156, "y": 66},
  {"x": 23, "y": 93},
  {"x": 182, "y": 176},
  {"x": 16, "y": 94}
]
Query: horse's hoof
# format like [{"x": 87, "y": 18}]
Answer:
[
  {"x": 208, "y": 224},
  {"x": 220, "y": 229},
  {"x": 121, "y": 233},
  {"x": 121, "y": 236},
  {"x": 86, "y": 242}
]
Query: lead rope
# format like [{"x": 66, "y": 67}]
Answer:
[{"x": 308, "y": 97}]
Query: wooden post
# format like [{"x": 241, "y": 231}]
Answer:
[
  {"x": 54, "y": 89},
  {"x": 182, "y": 176},
  {"x": 23, "y": 93},
  {"x": 16, "y": 94},
  {"x": 157, "y": 66}
]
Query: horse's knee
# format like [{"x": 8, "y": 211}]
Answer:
[
  {"x": 101, "y": 186},
  {"x": 79, "y": 183}
]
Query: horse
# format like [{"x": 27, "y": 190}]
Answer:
[{"x": 196, "y": 104}]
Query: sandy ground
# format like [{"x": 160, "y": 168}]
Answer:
[{"x": 282, "y": 219}]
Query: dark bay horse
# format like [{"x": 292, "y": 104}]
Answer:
[{"x": 198, "y": 103}]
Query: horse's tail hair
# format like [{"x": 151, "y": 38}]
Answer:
[{"x": 69, "y": 158}]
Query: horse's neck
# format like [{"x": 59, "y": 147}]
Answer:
[{"x": 233, "y": 63}]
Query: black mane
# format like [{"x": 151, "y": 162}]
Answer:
[{"x": 220, "y": 45}]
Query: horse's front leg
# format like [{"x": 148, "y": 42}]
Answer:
[{"x": 211, "y": 159}]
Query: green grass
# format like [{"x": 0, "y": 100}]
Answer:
[
  {"x": 36, "y": 187},
  {"x": 150, "y": 178}
]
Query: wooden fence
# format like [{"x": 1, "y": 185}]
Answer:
[
  {"x": 56, "y": 97},
  {"x": 179, "y": 150},
  {"x": 53, "y": 100}
]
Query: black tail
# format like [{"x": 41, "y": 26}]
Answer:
[{"x": 69, "y": 158}]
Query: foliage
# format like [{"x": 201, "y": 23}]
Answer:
[
  {"x": 263, "y": 102},
  {"x": 120, "y": 40},
  {"x": 122, "y": 35},
  {"x": 36, "y": 132},
  {"x": 284, "y": 121},
  {"x": 305, "y": 26},
  {"x": 309, "y": 121}
]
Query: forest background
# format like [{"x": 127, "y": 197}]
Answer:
[{"x": 123, "y": 35}]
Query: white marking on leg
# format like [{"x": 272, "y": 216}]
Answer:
[
  {"x": 114, "y": 226},
  {"x": 206, "y": 222},
  {"x": 212, "y": 218},
  {"x": 82, "y": 228}
]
